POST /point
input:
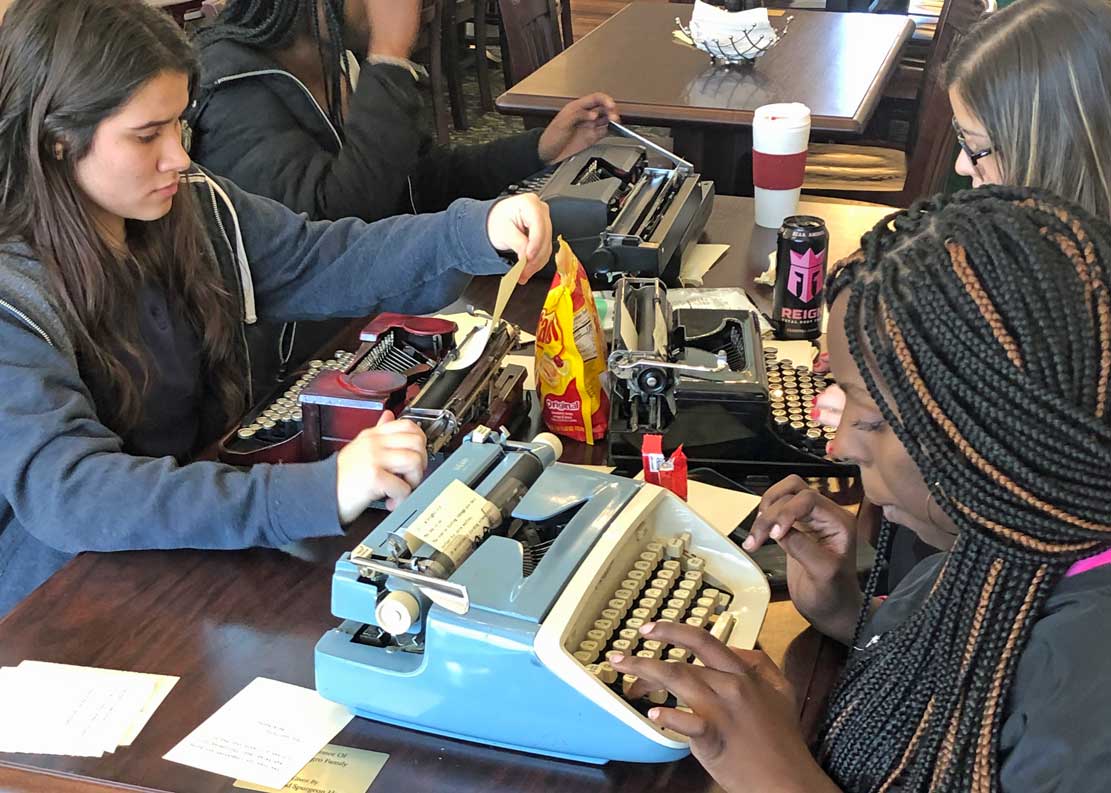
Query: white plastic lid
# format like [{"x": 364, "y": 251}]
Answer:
[{"x": 785, "y": 114}]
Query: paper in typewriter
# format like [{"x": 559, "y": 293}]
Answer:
[{"x": 455, "y": 522}]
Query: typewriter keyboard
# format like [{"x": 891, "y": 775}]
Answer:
[
  {"x": 791, "y": 391},
  {"x": 281, "y": 417},
  {"x": 667, "y": 583}
]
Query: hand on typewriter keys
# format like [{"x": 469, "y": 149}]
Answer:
[
  {"x": 580, "y": 124},
  {"x": 738, "y": 710},
  {"x": 819, "y": 538},
  {"x": 385, "y": 461},
  {"x": 521, "y": 224}
]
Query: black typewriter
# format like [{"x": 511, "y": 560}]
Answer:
[
  {"x": 620, "y": 215},
  {"x": 702, "y": 378}
]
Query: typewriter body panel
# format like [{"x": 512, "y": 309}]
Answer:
[
  {"x": 622, "y": 216},
  {"x": 490, "y": 649},
  {"x": 699, "y": 378},
  {"x": 409, "y": 365}
]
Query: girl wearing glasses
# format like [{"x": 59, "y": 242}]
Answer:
[
  {"x": 1030, "y": 90},
  {"x": 1031, "y": 93}
]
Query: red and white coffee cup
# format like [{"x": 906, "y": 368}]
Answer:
[{"x": 780, "y": 136}]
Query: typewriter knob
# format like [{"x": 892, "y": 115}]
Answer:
[{"x": 397, "y": 612}]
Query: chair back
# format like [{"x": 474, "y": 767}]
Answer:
[
  {"x": 930, "y": 158},
  {"x": 532, "y": 32}
]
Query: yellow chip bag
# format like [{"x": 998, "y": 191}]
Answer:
[{"x": 571, "y": 354}]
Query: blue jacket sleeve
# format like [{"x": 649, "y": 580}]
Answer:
[
  {"x": 70, "y": 484},
  {"x": 413, "y": 264}
]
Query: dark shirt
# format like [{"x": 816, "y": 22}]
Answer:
[
  {"x": 171, "y": 402},
  {"x": 1056, "y": 732}
]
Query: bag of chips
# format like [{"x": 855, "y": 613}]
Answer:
[{"x": 571, "y": 355}]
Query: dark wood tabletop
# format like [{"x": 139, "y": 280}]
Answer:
[
  {"x": 220, "y": 619},
  {"x": 836, "y": 64}
]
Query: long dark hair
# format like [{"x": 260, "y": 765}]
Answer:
[
  {"x": 65, "y": 66},
  {"x": 273, "y": 25},
  {"x": 987, "y": 319},
  {"x": 1038, "y": 75}
]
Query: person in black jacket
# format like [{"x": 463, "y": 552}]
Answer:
[{"x": 285, "y": 113}]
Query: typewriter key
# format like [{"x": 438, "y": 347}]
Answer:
[
  {"x": 296, "y": 415},
  {"x": 781, "y": 422},
  {"x": 245, "y": 433},
  {"x": 267, "y": 424},
  {"x": 779, "y": 412},
  {"x": 814, "y": 434},
  {"x": 798, "y": 426},
  {"x": 316, "y": 364}
]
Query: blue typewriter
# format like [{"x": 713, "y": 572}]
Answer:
[{"x": 485, "y": 606}]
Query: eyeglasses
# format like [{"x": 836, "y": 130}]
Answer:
[{"x": 973, "y": 156}]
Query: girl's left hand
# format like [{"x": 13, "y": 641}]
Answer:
[
  {"x": 742, "y": 719},
  {"x": 521, "y": 224}
]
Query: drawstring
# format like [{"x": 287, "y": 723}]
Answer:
[{"x": 286, "y": 352}]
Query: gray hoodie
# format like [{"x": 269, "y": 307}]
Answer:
[{"x": 69, "y": 484}]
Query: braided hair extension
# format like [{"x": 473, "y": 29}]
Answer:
[
  {"x": 966, "y": 315},
  {"x": 272, "y": 24}
]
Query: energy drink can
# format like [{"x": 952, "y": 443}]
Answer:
[{"x": 800, "y": 275}]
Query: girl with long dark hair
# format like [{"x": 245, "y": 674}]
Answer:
[
  {"x": 972, "y": 337},
  {"x": 127, "y": 278}
]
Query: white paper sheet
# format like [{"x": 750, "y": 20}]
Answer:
[
  {"x": 722, "y": 508},
  {"x": 697, "y": 261},
  {"x": 51, "y": 708},
  {"x": 265, "y": 734}
]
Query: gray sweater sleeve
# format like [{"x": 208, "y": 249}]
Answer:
[
  {"x": 304, "y": 269},
  {"x": 70, "y": 484}
]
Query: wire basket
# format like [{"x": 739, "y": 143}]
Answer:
[{"x": 743, "y": 46}]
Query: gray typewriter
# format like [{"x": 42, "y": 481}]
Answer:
[{"x": 620, "y": 215}]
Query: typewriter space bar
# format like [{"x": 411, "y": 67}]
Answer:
[{"x": 453, "y": 597}]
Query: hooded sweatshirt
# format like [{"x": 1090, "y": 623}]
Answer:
[{"x": 68, "y": 483}]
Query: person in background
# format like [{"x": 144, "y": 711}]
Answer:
[
  {"x": 284, "y": 112},
  {"x": 985, "y": 669},
  {"x": 1030, "y": 88},
  {"x": 127, "y": 278}
]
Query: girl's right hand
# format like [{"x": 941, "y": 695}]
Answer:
[
  {"x": 385, "y": 461},
  {"x": 819, "y": 538}
]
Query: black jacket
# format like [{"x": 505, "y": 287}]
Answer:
[{"x": 258, "y": 125}]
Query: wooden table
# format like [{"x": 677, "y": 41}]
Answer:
[
  {"x": 220, "y": 619},
  {"x": 836, "y": 64}
]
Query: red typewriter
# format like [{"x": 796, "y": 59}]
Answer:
[{"x": 413, "y": 366}]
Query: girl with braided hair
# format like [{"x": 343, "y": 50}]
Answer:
[
  {"x": 985, "y": 670},
  {"x": 285, "y": 113}
]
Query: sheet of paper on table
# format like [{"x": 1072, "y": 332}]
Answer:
[
  {"x": 81, "y": 711},
  {"x": 264, "y": 735},
  {"x": 722, "y": 508},
  {"x": 697, "y": 261}
]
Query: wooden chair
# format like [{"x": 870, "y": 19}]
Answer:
[
  {"x": 429, "y": 50},
  {"x": 456, "y": 14},
  {"x": 890, "y": 176},
  {"x": 532, "y": 34}
]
